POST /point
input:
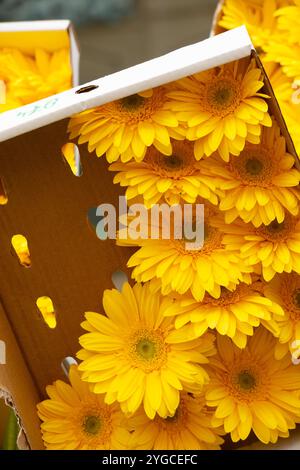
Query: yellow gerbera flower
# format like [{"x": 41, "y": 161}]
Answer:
[
  {"x": 135, "y": 355},
  {"x": 76, "y": 419},
  {"x": 222, "y": 108},
  {"x": 172, "y": 265},
  {"x": 289, "y": 21},
  {"x": 160, "y": 178},
  {"x": 275, "y": 247},
  {"x": 286, "y": 54},
  {"x": 260, "y": 183},
  {"x": 285, "y": 290},
  {"x": 29, "y": 79},
  {"x": 127, "y": 127},
  {"x": 189, "y": 428},
  {"x": 234, "y": 314},
  {"x": 251, "y": 390},
  {"x": 258, "y": 16}
]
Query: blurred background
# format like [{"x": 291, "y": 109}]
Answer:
[{"x": 114, "y": 34}]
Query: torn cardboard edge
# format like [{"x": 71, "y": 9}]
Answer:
[
  {"x": 58, "y": 190},
  {"x": 22, "y": 442},
  {"x": 36, "y": 28}
]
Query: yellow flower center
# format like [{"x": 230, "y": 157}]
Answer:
[
  {"x": 181, "y": 163},
  {"x": 228, "y": 297},
  {"x": 253, "y": 166},
  {"x": 246, "y": 379},
  {"x": 92, "y": 422},
  {"x": 178, "y": 422},
  {"x": 212, "y": 241},
  {"x": 222, "y": 96},
  {"x": 289, "y": 290},
  {"x": 133, "y": 109},
  {"x": 276, "y": 231},
  {"x": 132, "y": 103},
  {"x": 92, "y": 425},
  {"x": 147, "y": 349}
]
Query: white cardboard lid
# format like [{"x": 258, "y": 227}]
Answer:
[{"x": 232, "y": 45}]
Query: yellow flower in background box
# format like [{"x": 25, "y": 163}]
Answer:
[
  {"x": 161, "y": 178},
  {"x": 251, "y": 390},
  {"x": 222, "y": 108},
  {"x": 260, "y": 184},
  {"x": 29, "y": 79},
  {"x": 235, "y": 314},
  {"x": 171, "y": 265},
  {"x": 285, "y": 290},
  {"x": 73, "y": 418},
  {"x": 258, "y": 16},
  {"x": 289, "y": 21},
  {"x": 127, "y": 127},
  {"x": 275, "y": 248},
  {"x": 286, "y": 54},
  {"x": 189, "y": 428},
  {"x": 135, "y": 356}
]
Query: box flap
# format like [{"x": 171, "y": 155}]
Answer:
[{"x": 212, "y": 52}]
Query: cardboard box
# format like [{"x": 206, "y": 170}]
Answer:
[
  {"x": 49, "y": 205},
  {"x": 48, "y": 35}
]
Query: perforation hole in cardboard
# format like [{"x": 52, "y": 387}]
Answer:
[
  {"x": 3, "y": 193},
  {"x": 71, "y": 156},
  {"x": 20, "y": 246},
  {"x": 47, "y": 311},
  {"x": 66, "y": 363}
]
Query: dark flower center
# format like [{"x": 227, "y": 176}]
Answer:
[
  {"x": 132, "y": 102},
  {"x": 254, "y": 166},
  {"x": 246, "y": 380},
  {"x": 146, "y": 349},
  {"x": 92, "y": 425}
]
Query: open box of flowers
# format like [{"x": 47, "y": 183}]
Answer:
[{"x": 199, "y": 349}]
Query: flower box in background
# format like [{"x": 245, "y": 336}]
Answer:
[
  {"x": 49, "y": 206},
  {"x": 37, "y": 59}
]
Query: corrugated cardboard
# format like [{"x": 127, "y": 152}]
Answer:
[{"x": 49, "y": 205}]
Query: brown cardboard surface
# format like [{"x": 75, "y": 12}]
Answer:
[{"x": 49, "y": 205}]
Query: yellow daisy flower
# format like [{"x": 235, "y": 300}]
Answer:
[
  {"x": 260, "y": 183},
  {"x": 234, "y": 314},
  {"x": 172, "y": 266},
  {"x": 275, "y": 247},
  {"x": 251, "y": 390},
  {"x": 29, "y": 79},
  {"x": 222, "y": 108},
  {"x": 285, "y": 290},
  {"x": 160, "y": 178},
  {"x": 258, "y": 16},
  {"x": 189, "y": 428},
  {"x": 286, "y": 54},
  {"x": 135, "y": 355},
  {"x": 73, "y": 418},
  {"x": 127, "y": 127},
  {"x": 289, "y": 21}
]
